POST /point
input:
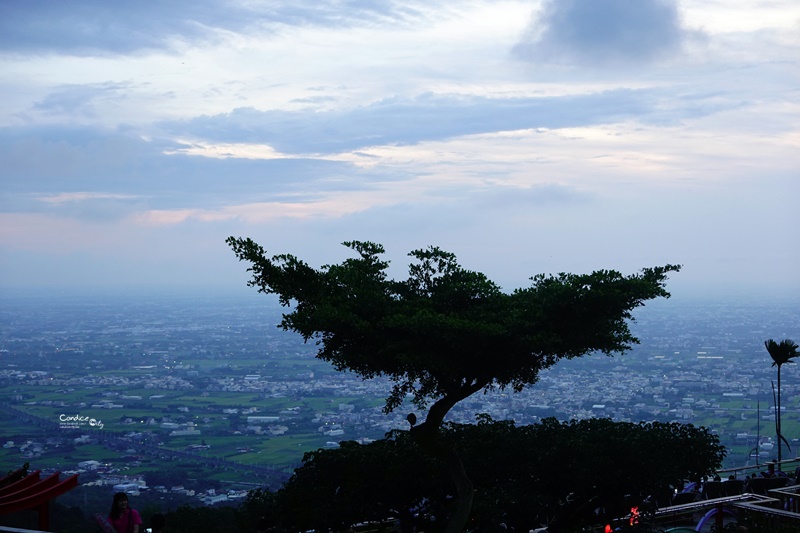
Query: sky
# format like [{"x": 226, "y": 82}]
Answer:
[{"x": 526, "y": 137}]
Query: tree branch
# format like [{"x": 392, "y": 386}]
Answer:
[{"x": 428, "y": 436}]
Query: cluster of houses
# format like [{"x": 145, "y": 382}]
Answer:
[{"x": 135, "y": 485}]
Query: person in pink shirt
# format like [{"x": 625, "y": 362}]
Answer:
[{"x": 122, "y": 517}]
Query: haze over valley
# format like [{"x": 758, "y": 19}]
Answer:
[{"x": 136, "y": 380}]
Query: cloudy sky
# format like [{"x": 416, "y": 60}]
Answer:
[{"x": 528, "y": 137}]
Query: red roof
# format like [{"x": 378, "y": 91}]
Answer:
[{"x": 20, "y": 492}]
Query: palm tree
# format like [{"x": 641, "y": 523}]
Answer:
[{"x": 781, "y": 352}]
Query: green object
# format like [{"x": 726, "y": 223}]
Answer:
[{"x": 445, "y": 332}]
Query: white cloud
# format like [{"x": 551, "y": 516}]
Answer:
[
  {"x": 63, "y": 198},
  {"x": 740, "y": 16}
]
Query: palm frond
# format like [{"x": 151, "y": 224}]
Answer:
[
  {"x": 781, "y": 352},
  {"x": 785, "y": 442}
]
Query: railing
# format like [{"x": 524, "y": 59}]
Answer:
[
  {"x": 6, "y": 529},
  {"x": 787, "y": 465},
  {"x": 778, "y": 510}
]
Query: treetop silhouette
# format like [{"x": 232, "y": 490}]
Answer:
[{"x": 445, "y": 332}]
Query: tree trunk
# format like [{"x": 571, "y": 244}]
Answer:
[
  {"x": 778, "y": 418},
  {"x": 428, "y": 436}
]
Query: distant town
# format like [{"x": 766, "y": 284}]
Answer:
[{"x": 114, "y": 388}]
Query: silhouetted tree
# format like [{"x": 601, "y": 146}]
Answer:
[
  {"x": 186, "y": 519},
  {"x": 445, "y": 332},
  {"x": 781, "y": 352},
  {"x": 258, "y": 511},
  {"x": 554, "y": 472},
  {"x": 386, "y": 479}
]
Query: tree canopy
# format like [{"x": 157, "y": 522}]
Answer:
[
  {"x": 446, "y": 331},
  {"x": 781, "y": 352},
  {"x": 555, "y": 473}
]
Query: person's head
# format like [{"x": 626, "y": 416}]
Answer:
[
  {"x": 119, "y": 505},
  {"x": 157, "y": 523}
]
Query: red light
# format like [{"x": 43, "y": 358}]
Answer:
[{"x": 634, "y": 516}]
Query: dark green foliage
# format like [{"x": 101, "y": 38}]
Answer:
[
  {"x": 781, "y": 352},
  {"x": 446, "y": 331},
  {"x": 355, "y": 483},
  {"x": 187, "y": 519},
  {"x": 14, "y": 475},
  {"x": 69, "y": 519},
  {"x": 523, "y": 476},
  {"x": 258, "y": 511}
]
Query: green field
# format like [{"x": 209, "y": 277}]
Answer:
[{"x": 204, "y": 409}]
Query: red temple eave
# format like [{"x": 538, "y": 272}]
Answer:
[
  {"x": 16, "y": 473},
  {"x": 18, "y": 485},
  {"x": 29, "y": 489},
  {"x": 35, "y": 495}
]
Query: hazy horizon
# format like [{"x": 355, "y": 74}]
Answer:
[{"x": 682, "y": 295}]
